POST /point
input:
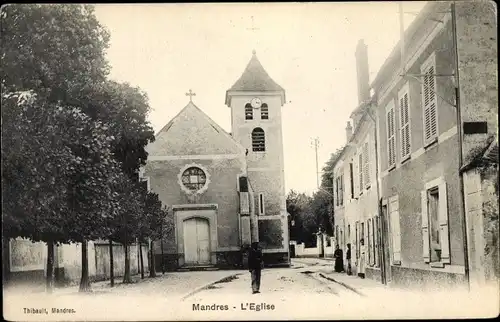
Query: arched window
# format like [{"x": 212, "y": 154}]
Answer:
[
  {"x": 264, "y": 112},
  {"x": 248, "y": 112},
  {"x": 258, "y": 140}
]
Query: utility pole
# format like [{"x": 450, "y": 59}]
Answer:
[
  {"x": 460, "y": 144},
  {"x": 315, "y": 144}
]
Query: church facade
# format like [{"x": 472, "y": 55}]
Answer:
[{"x": 224, "y": 191}]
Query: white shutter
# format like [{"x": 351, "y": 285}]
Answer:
[
  {"x": 444, "y": 235},
  {"x": 244, "y": 203},
  {"x": 432, "y": 101},
  {"x": 393, "y": 139},
  {"x": 404, "y": 119},
  {"x": 425, "y": 228},
  {"x": 360, "y": 171},
  {"x": 396, "y": 231},
  {"x": 391, "y": 143},
  {"x": 429, "y": 99},
  {"x": 367, "y": 164}
]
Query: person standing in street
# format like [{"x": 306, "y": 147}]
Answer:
[
  {"x": 362, "y": 261},
  {"x": 339, "y": 259},
  {"x": 255, "y": 264},
  {"x": 348, "y": 259}
]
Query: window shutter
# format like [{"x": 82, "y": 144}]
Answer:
[
  {"x": 396, "y": 232},
  {"x": 342, "y": 189},
  {"x": 432, "y": 106},
  {"x": 444, "y": 234},
  {"x": 389, "y": 157},
  {"x": 244, "y": 203},
  {"x": 429, "y": 101},
  {"x": 367, "y": 165},
  {"x": 391, "y": 143},
  {"x": 370, "y": 241},
  {"x": 425, "y": 228},
  {"x": 360, "y": 169},
  {"x": 404, "y": 125}
]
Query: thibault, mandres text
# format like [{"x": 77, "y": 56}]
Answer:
[{"x": 44, "y": 310}]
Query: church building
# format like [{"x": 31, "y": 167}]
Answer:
[{"x": 224, "y": 191}]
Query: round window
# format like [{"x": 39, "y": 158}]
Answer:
[{"x": 194, "y": 178}]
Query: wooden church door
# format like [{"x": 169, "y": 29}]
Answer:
[{"x": 196, "y": 241}]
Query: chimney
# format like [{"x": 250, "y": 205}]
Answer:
[
  {"x": 348, "y": 131},
  {"x": 362, "y": 71}
]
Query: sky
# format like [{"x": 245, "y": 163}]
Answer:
[{"x": 307, "y": 48}]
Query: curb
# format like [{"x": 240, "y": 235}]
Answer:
[
  {"x": 201, "y": 288},
  {"x": 343, "y": 284}
]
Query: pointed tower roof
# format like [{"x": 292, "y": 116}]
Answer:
[{"x": 255, "y": 79}]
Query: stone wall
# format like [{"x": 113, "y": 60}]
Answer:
[{"x": 478, "y": 67}]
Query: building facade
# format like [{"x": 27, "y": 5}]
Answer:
[
  {"x": 355, "y": 180},
  {"x": 419, "y": 171},
  {"x": 428, "y": 211},
  {"x": 224, "y": 190}
]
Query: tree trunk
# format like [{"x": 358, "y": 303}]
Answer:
[
  {"x": 5, "y": 259},
  {"x": 85, "y": 281},
  {"x": 49, "y": 280},
  {"x": 111, "y": 267},
  {"x": 126, "y": 276},
  {"x": 142, "y": 260},
  {"x": 162, "y": 258},
  {"x": 152, "y": 266}
]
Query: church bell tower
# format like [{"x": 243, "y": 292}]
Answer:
[{"x": 256, "y": 102}]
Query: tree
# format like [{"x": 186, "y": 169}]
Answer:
[
  {"x": 305, "y": 224},
  {"x": 35, "y": 168},
  {"x": 58, "y": 165},
  {"x": 52, "y": 51},
  {"x": 56, "y": 49},
  {"x": 58, "y": 53},
  {"x": 153, "y": 224}
]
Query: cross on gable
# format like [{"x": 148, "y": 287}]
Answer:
[{"x": 190, "y": 94}]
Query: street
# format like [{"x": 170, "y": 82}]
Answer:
[{"x": 306, "y": 290}]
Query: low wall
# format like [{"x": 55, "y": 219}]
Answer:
[
  {"x": 325, "y": 248},
  {"x": 28, "y": 260}
]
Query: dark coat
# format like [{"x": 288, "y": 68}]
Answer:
[{"x": 255, "y": 259}]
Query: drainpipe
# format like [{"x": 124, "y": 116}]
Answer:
[{"x": 460, "y": 146}]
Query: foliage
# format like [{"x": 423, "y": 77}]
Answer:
[
  {"x": 155, "y": 219},
  {"x": 270, "y": 233},
  {"x": 72, "y": 141},
  {"x": 36, "y": 165},
  {"x": 304, "y": 222},
  {"x": 56, "y": 49},
  {"x": 125, "y": 108},
  {"x": 56, "y": 161}
]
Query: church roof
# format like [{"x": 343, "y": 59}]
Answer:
[
  {"x": 255, "y": 79},
  {"x": 192, "y": 125}
]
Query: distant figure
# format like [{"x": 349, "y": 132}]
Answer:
[
  {"x": 255, "y": 264},
  {"x": 348, "y": 259},
  {"x": 339, "y": 259},
  {"x": 362, "y": 262}
]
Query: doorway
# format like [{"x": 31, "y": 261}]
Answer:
[{"x": 196, "y": 241}]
